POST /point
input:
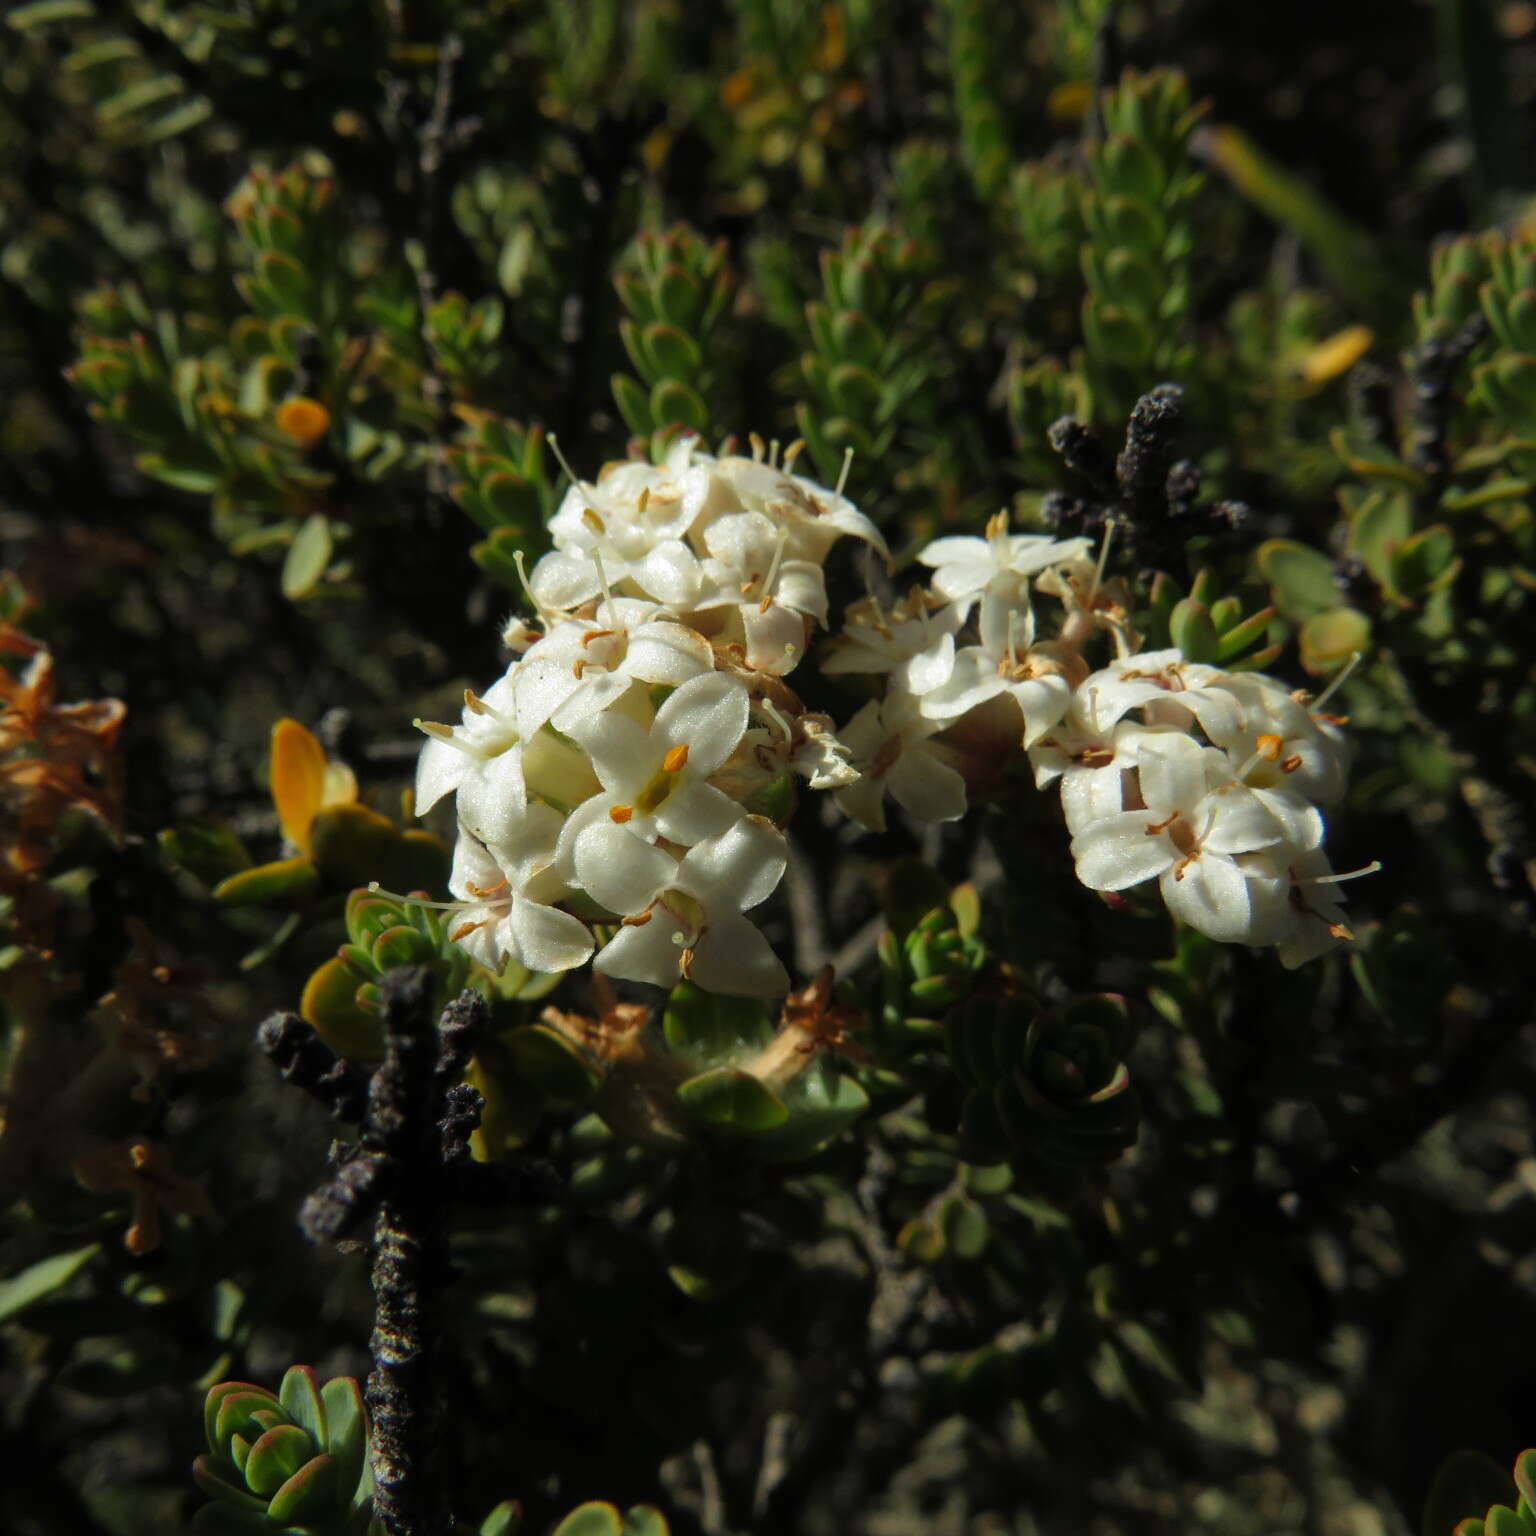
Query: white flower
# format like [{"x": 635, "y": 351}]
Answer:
[
  {"x": 816, "y": 518},
  {"x": 683, "y": 917},
  {"x": 507, "y": 889},
  {"x": 1293, "y": 747},
  {"x": 486, "y": 738},
  {"x": 654, "y": 778},
  {"x": 890, "y": 745},
  {"x": 1317, "y": 918},
  {"x": 965, "y": 566},
  {"x": 1166, "y": 689},
  {"x": 878, "y": 639},
  {"x": 1038, "y": 678},
  {"x": 1194, "y": 836}
]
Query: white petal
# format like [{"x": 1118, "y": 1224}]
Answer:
[
  {"x": 732, "y": 957},
  {"x": 671, "y": 574},
  {"x": 620, "y": 871},
  {"x": 492, "y": 799},
  {"x": 863, "y": 802},
  {"x": 1090, "y": 794},
  {"x": 931, "y": 668},
  {"x": 972, "y": 681},
  {"x": 1233, "y": 819},
  {"x": 1173, "y": 773},
  {"x": 694, "y": 811},
  {"x": 547, "y": 939},
  {"x": 1118, "y": 851},
  {"x": 643, "y": 953},
  {"x": 473, "y": 867},
  {"x": 775, "y": 639},
  {"x": 1300, "y": 821},
  {"x": 667, "y": 653},
  {"x": 802, "y": 586},
  {"x": 623, "y": 753},
  {"x": 1211, "y": 894},
  {"x": 562, "y": 580},
  {"x": 438, "y": 772},
  {"x": 738, "y": 869},
  {"x": 708, "y": 715},
  {"x": 929, "y": 789}
]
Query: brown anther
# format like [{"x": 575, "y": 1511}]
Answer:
[
  {"x": 592, "y": 520},
  {"x": 465, "y": 929},
  {"x": 1291, "y": 763},
  {"x": 645, "y": 499},
  {"x": 1332, "y": 719},
  {"x": 685, "y": 963},
  {"x": 579, "y": 666},
  {"x": 675, "y": 759},
  {"x": 474, "y": 704},
  {"x": 639, "y": 920},
  {"x": 594, "y": 634},
  {"x": 1184, "y": 863},
  {"x": 1154, "y": 827},
  {"x": 745, "y": 588},
  {"x": 620, "y": 813},
  {"x": 1340, "y": 931},
  {"x": 1094, "y": 757},
  {"x": 484, "y": 893}
]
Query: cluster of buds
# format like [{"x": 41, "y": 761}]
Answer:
[
  {"x": 1206, "y": 780},
  {"x": 632, "y": 767}
]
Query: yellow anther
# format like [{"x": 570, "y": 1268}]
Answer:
[
  {"x": 620, "y": 813},
  {"x": 464, "y": 929},
  {"x": 1269, "y": 747},
  {"x": 675, "y": 759}
]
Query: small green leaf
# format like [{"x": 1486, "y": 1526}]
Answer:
[
  {"x": 19, "y": 1292},
  {"x": 309, "y": 1496},
  {"x": 1192, "y": 630},
  {"x": 308, "y": 557},
  {"x": 291, "y": 880},
  {"x": 276, "y": 1456},
  {"x": 505, "y": 1520},
  {"x": 729, "y": 1099},
  {"x": 551, "y": 1063},
  {"x": 1466, "y": 1483},
  {"x": 1302, "y": 578},
  {"x": 594, "y": 1519}
]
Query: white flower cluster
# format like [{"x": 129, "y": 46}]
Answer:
[
  {"x": 612, "y": 775},
  {"x": 1205, "y": 780},
  {"x": 627, "y": 769}
]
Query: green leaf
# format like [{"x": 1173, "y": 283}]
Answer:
[
  {"x": 729, "y": 1099},
  {"x": 505, "y": 1520},
  {"x": 41, "y": 12},
  {"x": 1466, "y": 1483},
  {"x": 551, "y": 1063},
  {"x": 309, "y": 1496},
  {"x": 19, "y": 1292},
  {"x": 293, "y": 880},
  {"x": 633, "y": 403},
  {"x": 1191, "y": 628},
  {"x": 594, "y": 1519},
  {"x": 299, "y": 1396},
  {"x": 1301, "y": 578},
  {"x": 673, "y": 401},
  {"x": 645, "y": 1520},
  {"x": 218, "y": 1479},
  {"x": 276, "y": 1456},
  {"x": 308, "y": 557},
  {"x": 1328, "y": 640},
  {"x": 347, "y": 1421}
]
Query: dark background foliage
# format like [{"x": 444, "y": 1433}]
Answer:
[{"x": 1313, "y": 1278}]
